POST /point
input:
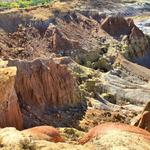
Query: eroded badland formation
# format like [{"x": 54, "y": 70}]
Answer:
[{"x": 75, "y": 75}]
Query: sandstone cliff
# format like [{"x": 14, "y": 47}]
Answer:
[
  {"x": 46, "y": 87},
  {"x": 10, "y": 114},
  {"x": 45, "y": 84}
]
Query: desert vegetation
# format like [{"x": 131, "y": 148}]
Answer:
[{"x": 23, "y": 3}]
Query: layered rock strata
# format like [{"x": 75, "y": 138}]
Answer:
[
  {"x": 45, "y": 84},
  {"x": 45, "y": 87}
]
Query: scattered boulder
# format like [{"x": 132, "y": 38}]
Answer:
[
  {"x": 10, "y": 113},
  {"x": 143, "y": 120},
  {"x": 45, "y": 133}
]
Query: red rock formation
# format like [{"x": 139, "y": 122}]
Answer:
[
  {"x": 59, "y": 41},
  {"x": 62, "y": 37},
  {"x": 143, "y": 120},
  {"x": 10, "y": 114},
  {"x": 117, "y": 26},
  {"x": 136, "y": 41},
  {"x": 43, "y": 84},
  {"x": 45, "y": 133},
  {"x": 108, "y": 127}
]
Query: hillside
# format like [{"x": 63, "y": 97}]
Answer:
[{"x": 74, "y": 74}]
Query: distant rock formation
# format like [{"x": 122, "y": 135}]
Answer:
[
  {"x": 71, "y": 34},
  {"x": 10, "y": 114},
  {"x": 58, "y": 41},
  {"x": 138, "y": 43},
  {"x": 117, "y": 26},
  {"x": 135, "y": 43}
]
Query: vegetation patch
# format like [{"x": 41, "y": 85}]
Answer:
[{"x": 23, "y": 3}]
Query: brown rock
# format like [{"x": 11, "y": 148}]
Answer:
[
  {"x": 108, "y": 127},
  {"x": 117, "y": 26},
  {"x": 59, "y": 41},
  {"x": 10, "y": 114},
  {"x": 45, "y": 133},
  {"x": 70, "y": 34},
  {"x": 143, "y": 121},
  {"x": 45, "y": 84},
  {"x": 43, "y": 87},
  {"x": 138, "y": 42},
  {"x": 136, "y": 32}
]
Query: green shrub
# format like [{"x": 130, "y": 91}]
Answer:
[{"x": 23, "y": 3}]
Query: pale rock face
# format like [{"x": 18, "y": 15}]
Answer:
[{"x": 10, "y": 113}]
